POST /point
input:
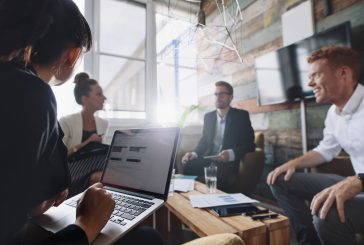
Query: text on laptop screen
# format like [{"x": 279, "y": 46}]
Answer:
[{"x": 140, "y": 159}]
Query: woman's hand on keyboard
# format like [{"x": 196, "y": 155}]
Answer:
[{"x": 94, "y": 209}]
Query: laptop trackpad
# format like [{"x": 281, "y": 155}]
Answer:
[
  {"x": 109, "y": 234},
  {"x": 57, "y": 218}
]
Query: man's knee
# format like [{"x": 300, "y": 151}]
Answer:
[
  {"x": 321, "y": 225},
  {"x": 279, "y": 185},
  {"x": 327, "y": 229}
]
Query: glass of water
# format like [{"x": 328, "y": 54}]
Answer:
[{"x": 211, "y": 178}]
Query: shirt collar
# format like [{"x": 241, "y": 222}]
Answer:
[
  {"x": 219, "y": 118},
  {"x": 353, "y": 103}
]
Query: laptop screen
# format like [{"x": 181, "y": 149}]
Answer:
[{"x": 141, "y": 159}]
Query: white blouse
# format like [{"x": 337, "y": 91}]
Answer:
[{"x": 72, "y": 128}]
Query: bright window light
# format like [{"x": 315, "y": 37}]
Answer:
[{"x": 176, "y": 69}]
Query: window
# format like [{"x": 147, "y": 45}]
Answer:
[
  {"x": 176, "y": 69},
  {"x": 124, "y": 61},
  {"x": 121, "y": 57}
]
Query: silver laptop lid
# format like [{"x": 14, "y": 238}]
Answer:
[{"x": 141, "y": 160}]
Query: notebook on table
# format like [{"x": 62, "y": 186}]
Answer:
[{"x": 137, "y": 173}]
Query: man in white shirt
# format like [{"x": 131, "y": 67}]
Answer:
[
  {"x": 336, "y": 210},
  {"x": 227, "y": 135}
]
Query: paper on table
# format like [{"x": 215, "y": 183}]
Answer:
[
  {"x": 180, "y": 176},
  {"x": 212, "y": 200},
  {"x": 184, "y": 185}
]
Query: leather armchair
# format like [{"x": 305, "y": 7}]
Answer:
[
  {"x": 340, "y": 165},
  {"x": 250, "y": 168}
]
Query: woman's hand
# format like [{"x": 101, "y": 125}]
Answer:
[
  {"x": 94, "y": 210},
  {"x": 94, "y": 138}
]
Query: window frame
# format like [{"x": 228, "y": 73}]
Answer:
[{"x": 91, "y": 61}]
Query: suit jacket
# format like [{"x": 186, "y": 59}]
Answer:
[
  {"x": 238, "y": 135},
  {"x": 72, "y": 128}
]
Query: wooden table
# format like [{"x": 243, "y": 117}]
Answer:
[{"x": 178, "y": 210}]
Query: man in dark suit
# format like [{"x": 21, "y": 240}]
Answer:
[{"x": 228, "y": 134}]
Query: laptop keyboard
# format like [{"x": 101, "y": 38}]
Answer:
[{"x": 126, "y": 208}]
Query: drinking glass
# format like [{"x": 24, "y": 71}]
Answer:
[{"x": 211, "y": 178}]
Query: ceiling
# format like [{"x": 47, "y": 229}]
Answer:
[{"x": 220, "y": 35}]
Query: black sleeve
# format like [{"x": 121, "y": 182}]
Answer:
[
  {"x": 246, "y": 136},
  {"x": 25, "y": 134},
  {"x": 203, "y": 143},
  {"x": 71, "y": 235}
]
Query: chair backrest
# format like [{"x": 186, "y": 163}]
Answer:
[
  {"x": 251, "y": 168},
  {"x": 340, "y": 165},
  {"x": 259, "y": 140}
]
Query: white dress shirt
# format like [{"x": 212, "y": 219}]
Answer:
[
  {"x": 219, "y": 133},
  {"x": 345, "y": 130}
]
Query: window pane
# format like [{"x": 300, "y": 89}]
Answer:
[
  {"x": 122, "y": 28},
  {"x": 176, "y": 69},
  {"x": 123, "y": 82},
  {"x": 81, "y": 5}
]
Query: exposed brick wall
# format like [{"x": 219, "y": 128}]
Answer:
[
  {"x": 259, "y": 33},
  {"x": 337, "y": 5}
]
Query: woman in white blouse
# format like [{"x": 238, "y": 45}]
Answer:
[{"x": 84, "y": 127}]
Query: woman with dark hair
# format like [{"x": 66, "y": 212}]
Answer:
[
  {"x": 40, "y": 42},
  {"x": 84, "y": 127}
]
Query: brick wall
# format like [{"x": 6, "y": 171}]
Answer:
[{"x": 259, "y": 33}]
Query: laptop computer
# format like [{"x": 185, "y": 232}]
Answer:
[{"x": 137, "y": 173}]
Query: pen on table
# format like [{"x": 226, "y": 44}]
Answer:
[
  {"x": 260, "y": 211},
  {"x": 268, "y": 216}
]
